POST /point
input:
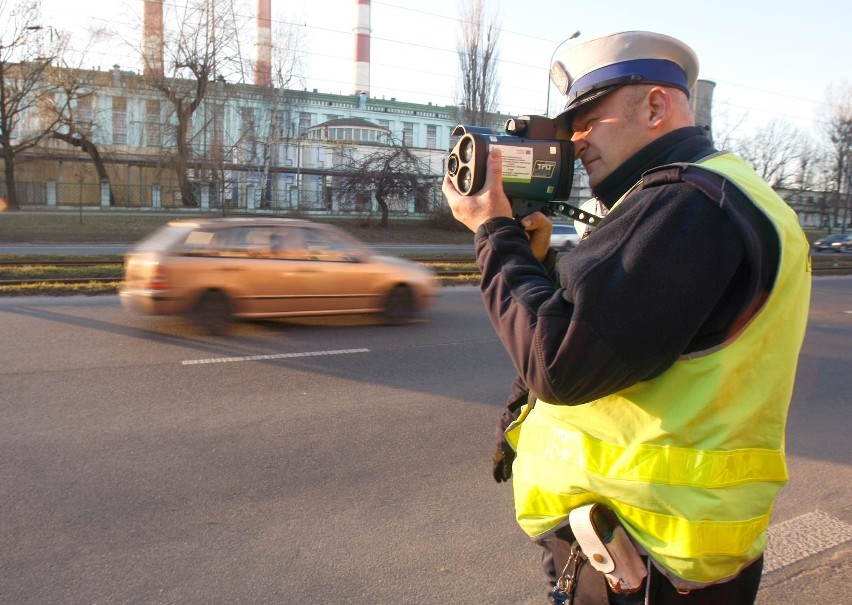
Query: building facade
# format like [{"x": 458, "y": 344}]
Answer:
[{"x": 252, "y": 147}]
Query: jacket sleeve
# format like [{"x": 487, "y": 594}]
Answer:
[{"x": 630, "y": 298}]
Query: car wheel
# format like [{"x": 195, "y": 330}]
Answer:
[
  {"x": 569, "y": 245},
  {"x": 212, "y": 313},
  {"x": 399, "y": 305}
]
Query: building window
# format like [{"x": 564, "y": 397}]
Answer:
[
  {"x": 431, "y": 136},
  {"x": 278, "y": 125},
  {"x": 362, "y": 202},
  {"x": 337, "y": 158},
  {"x": 408, "y": 134},
  {"x": 119, "y": 120},
  {"x": 218, "y": 141},
  {"x": 249, "y": 151},
  {"x": 84, "y": 113},
  {"x": 304, "y": 122},
  {"x": 247, "y": 119},
  {"x": 152, "y": 124}
]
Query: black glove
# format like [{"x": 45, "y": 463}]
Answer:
[
  {"x": 501, "y": 462},
  {"x": 504, "y": 455}
]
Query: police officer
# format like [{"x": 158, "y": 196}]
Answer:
[{"x": 659, "y": 353}]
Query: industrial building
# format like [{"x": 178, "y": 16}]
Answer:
[{"x": 254, "y": 147}]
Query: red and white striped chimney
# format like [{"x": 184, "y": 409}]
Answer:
[
  {"x": 152, "y": 38},
  {"x": 263, "y": 44},
  {"x": 362, "y": 48}
]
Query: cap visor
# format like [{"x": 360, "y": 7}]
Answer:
[{"x": 563, "y": 120}]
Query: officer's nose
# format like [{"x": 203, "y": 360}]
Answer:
[{"x": 580, "y": 143}]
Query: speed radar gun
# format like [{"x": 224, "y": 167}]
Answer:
[{"x": 538, "y": 166}]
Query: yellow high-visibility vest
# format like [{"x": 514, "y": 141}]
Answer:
[{"x": 691, "y": 460}]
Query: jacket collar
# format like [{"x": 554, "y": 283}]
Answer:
[{"x": 683, "y": 145}]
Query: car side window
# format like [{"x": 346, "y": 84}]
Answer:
[
  {"x": 245, "y": 242},
  {"x": 322, "y": 246},
  {"x": 199, "y": 242},
  {"x": 232, "y": 242},
  {"x": 285, "y": 244},
  {"x": 197, "y": 239}
]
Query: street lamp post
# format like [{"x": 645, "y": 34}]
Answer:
[{"x": 550, "y": 64}]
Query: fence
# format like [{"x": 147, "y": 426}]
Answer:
[
  {"x": 31, "y": 194},
  {"x": 228, "y": 196}
]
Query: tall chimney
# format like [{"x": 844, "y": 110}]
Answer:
[
  {"x": 152, "y": 38},
  {"x": 362, "y": 48},
  {"x": 702, "y": 105},
  {"x": 263, "y": 44}
]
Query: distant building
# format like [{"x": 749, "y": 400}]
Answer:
[
  {"x": 253, "y": 147},
  {"x": 819, "y": 209}
]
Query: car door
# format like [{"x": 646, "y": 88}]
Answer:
[
  {"x": 281, "y": 279},
  {"x": 294, "y": 283},
  {"x": 334, "y": 272},
  {"x": 245, "y": 267}
]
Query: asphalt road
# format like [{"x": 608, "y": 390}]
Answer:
[{"x": 322, "y": 461}]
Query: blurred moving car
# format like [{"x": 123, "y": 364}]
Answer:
[
  {"x": 216, "y": 270},
  {"x": 836, "y": 242},
  {"x": 564, "y": 237}
]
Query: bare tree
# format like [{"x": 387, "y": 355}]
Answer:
[
  {"x": 816, "y": 178},
  {"x": 839, "y": 131},
  {"x": 478, "y": 54},
  {"x": 28, "y": 95},
  {"x": 288, "y": 52},
  {"x": 78, "y": 132},
  {"x": 255, "y": 146},
  {"x": 774, "y": 151},
  {"x": 391, "y": 174},
  {"x": 202, "y": 47},
  {"x": 725, "y": 127},
  {"x": 75, "y": 121}
]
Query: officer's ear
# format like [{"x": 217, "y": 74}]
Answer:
[{"x": 659, "y": 106}]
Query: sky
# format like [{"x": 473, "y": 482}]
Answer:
[{"x": 768, "y": 59}]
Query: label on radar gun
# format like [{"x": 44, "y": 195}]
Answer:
[{"x": 517, "y": 163}]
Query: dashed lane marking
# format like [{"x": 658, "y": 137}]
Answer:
[
  {"x": 194, "y": 362},
  {"x": 803, "y": 537}
]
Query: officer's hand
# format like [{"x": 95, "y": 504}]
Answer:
[
  {"x": 538, "y": 228},
  {"x": 501, "y": 462},
  {"x": 490, "y": 202}
]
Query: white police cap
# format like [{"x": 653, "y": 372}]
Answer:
[{"x": 591, "y": 69}]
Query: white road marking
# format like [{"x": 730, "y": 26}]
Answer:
[
  {"x": 803, "y": 537},
  {"x": 192, "y": 362}
]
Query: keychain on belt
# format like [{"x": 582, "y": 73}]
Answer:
[{"x": 566, "y": 585}]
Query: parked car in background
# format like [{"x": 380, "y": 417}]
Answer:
[
  {"x": 564, "y": 237},
  {"x": 217, "y": 270},
  {"x": 836, "y": 242}
]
